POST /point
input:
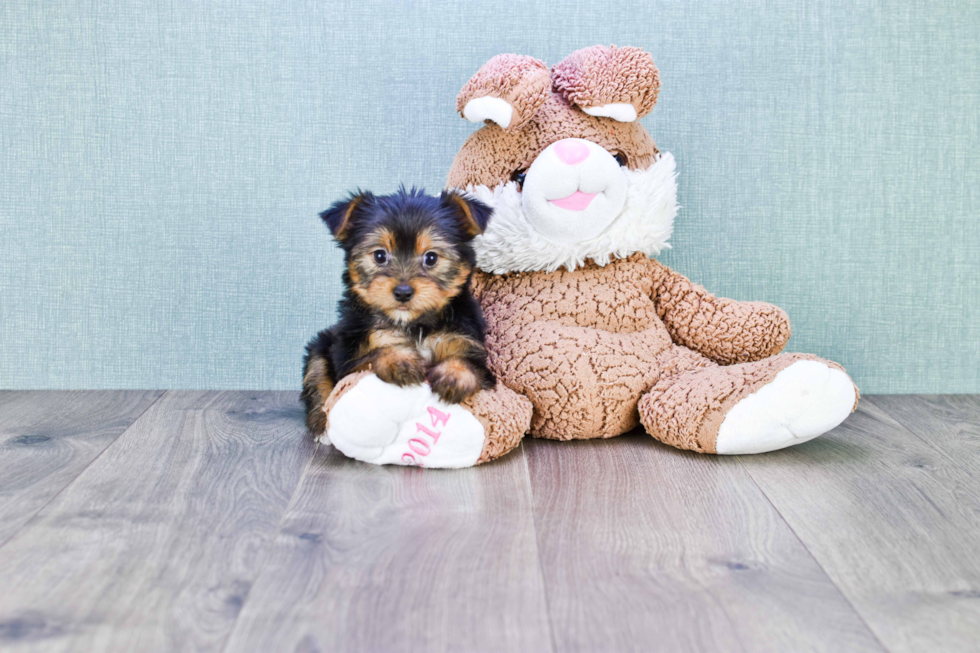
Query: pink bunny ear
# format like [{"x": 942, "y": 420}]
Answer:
[
  {"x": 618, "y": 83},
  {"x": 509, "y": 89}
]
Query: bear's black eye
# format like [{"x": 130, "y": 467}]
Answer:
[
  {"x": 430, "y": 259},
  {"x": 620, "y": 158},
  {"x": 518, "y": 176},
  {"x": 380, "y": 256}
]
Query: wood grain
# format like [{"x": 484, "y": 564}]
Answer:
[
  {"x": 155, "y": 545},
  {"x": 894, "y": 521},
  {"x": 644, "y": 547},
  {"x": 189, "y": 528},
  {"x": 401, "y": 559},
  {"x": 48, "y": 438},
  {"x": 949, "y": 423}
]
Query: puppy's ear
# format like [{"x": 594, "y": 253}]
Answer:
[
  {"x": 341, "y": 214},
  {"x": 470, "y": 214}
]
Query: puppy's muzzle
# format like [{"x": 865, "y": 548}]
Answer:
[{"x": 403, "y": 292}]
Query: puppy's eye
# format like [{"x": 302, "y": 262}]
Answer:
[
  {"x": 430, "y": 259},
  {"x": 518, "y": 176},
  {"x": 380, "y": 256},
  {"x": 621, "y": 158}
]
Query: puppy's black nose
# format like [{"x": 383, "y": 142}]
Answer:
[{"x": 403, "y": 292}]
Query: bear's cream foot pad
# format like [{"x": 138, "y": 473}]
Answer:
[
  {"x": 805, "y": 400},
  {"x": 381, "y": 423}
]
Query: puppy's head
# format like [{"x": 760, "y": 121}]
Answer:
[{"x": 407, "y": 254}]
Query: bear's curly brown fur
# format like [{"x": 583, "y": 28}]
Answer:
[{"x": 600, "y": 349}]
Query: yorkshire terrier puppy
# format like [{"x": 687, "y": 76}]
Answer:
[{"x": 406, "y": 313}]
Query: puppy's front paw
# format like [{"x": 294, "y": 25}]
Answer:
[
  {"x": 399, "y": 368},
  {"x": 453, "y": 380}
]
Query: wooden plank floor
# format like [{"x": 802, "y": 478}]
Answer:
[{"x": 207, "y": 521}]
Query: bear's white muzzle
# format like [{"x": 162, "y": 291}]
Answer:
[{"x": 573, "y": 191}]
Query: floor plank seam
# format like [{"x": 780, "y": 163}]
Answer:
[
  {"x": 275, "y": 535},
  {"x": 537, "y": 551},
  {"x": 918, "y": 436},
  {"x": 816, "y": 561},
  {"x": 82, "y": 471}
]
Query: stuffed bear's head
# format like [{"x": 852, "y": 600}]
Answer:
[{"x": 571, "y": 173}]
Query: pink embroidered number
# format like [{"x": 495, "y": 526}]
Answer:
[
  {"x": 437, "y": 416},
  {"x": 432, "y": 434},
  {"x": 419, "y": 446}
]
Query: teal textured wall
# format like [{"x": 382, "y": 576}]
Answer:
[{"x": 162, "y": 165}]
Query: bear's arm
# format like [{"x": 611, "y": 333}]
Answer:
[{"x": 724, "y": 330}]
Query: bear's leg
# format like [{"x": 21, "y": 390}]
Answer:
[
  {"x": 746, "y": 408},
  {"x": 380, "y": 423}
]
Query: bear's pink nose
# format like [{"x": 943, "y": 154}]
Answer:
[{"x": 571, "y": 151}]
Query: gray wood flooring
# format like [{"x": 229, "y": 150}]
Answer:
[{"x": 208, "y": 521}]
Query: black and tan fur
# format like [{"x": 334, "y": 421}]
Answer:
[{"x": 407, "y": 313}]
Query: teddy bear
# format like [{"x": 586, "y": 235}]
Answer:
[{"x": 588, "y": 334}]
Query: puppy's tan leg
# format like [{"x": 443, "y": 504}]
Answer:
[
  {"x": 393, "y": 357},
  {"x": 453, "y": 380},
  {"x": 398, "y": 364},
  {"x": 317, "y": 386},
  {"x": 455, "y": 375}
]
